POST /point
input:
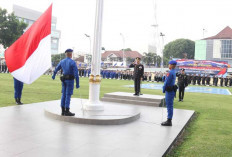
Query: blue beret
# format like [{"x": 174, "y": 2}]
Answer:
[
  {"x": 69, "y": 50},
  {"x": 173, "y": 62}
]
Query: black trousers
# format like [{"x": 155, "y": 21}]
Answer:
[
  {"x": 181, "y": 92},
  {"x": 137, "y": 85}
]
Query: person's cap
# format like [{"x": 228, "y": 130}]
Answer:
[
  {"x": 138, "y": 58},
  {"x": 182, "y": 69},
  {"x": 68, "y": 50},
  {"x": 172, "y": 62}
]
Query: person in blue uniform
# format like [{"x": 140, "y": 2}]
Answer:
[
  {"x": 70, "y": 72},
  {"x": 169, "y": 89},
  {"x": 18, "y": 88}
]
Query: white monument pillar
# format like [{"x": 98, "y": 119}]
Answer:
[{"x": 95, "y": 77}]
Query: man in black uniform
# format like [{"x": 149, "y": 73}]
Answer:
[
  {"x": 194, "y": 79},
  {"x": 226, "y": 81},
  {"x": 230, "y": 81},
  {"x": 182, "y": 83},
  {"x": 199, "y": 79},
  {"x": 216, "y": 80},
  {"x": 138, "y": 74},
  {"x": 221, "y": 81},
  {"x": 208, "y": 80},
  {"x": 203, "y": 79}
]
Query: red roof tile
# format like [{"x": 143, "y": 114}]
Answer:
[{"x": 226, "y": 33}]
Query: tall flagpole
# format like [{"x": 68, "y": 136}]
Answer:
[{"x": 95, "y": 77}]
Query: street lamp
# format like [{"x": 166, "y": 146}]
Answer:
[
  {"x": 88, "y": 36},
  {"x": 123, "y": 40},
  {"x": 162, "y": 59}
]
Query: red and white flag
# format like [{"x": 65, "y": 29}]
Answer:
[{"x": 30, "y": 56}]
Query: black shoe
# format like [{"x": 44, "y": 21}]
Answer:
[
  {"x": 135, "y": 94},
  {"x": 140, "y": 94},
  {"x": 62, "y": 111},
  {"x": 17, "y": 101},
  {"x": 20, "y": 103},
  {"x": 68, "y": 113},
  {"x": 167, "y": 123},
  {"x": 181, "y": 100}
]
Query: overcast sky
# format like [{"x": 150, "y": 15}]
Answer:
[{"x": 133, "y": 18}]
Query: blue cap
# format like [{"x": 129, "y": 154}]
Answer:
[
  {"x": 173, "y": 62},
  {"x": 68, "y": 50}
]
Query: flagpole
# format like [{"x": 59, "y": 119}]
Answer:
[{"x": 95, "y": 77}]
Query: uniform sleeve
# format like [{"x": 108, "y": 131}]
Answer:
[
  {"x": 143, "y": 71},
  {"x": 168, "y": 81},
  {"x": 132, "y": 65},
  {"x": 75, "y": 70},
  {"x": 58, "y": 67}
]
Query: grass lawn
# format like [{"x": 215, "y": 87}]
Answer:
[{"x": 209, "y": 135}]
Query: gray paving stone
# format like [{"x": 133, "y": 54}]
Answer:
[{"x": 26, "y": 132}]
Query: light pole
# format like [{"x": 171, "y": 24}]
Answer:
[
  {"x": 88, "y": 36},
  {"x": 123, "y": 51},
  {"x": 162, "y": 59}
]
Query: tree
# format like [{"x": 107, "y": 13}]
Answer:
[
  {"x": 180, "y": 48},
  {"x": 127, "y": 49},
  {"x": 151, "y": 58},
  {"x": 57, "y": 58},
  {"x": 10, "y": 28}
]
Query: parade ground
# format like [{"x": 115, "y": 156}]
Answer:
[{"x": 208, "y": 134}]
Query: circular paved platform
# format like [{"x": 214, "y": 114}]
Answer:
[{"x": 113, "y": 114}]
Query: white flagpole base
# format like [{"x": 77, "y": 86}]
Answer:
[{"x": 94, "y": 103}]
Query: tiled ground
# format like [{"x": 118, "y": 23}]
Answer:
[{"x": 26, "y": 132}]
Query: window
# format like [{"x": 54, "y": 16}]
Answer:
[{"x": 226, "y": 49}]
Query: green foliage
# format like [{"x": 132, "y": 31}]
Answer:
[
  {"x": 180, "y": 48},
  {"x": 151, "y": 58},
  {"x": 127, "y": 49},
  {"x": 10, "y": 28},
  {"x": 57, "y": 58}
]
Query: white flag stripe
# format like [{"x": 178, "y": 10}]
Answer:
[{"x": 38, "y": 63}]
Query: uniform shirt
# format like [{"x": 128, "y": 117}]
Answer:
[
  {"x": 182, "y": 80},
  {"x": 69, "y": 67},
  {"x": 138, "y": 70},
  {"x": 170, "y": 79}
]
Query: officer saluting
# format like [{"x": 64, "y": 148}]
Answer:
[
  {"x": 169, "y": 89},
  {"x": 70, "y": 72},
  {"x": 182, "y": 83},
  {"x": 138, "y": 74}
]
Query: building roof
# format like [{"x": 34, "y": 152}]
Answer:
[
  {"x": 226, "y": 33},
  {"x": 80, "y": 59},
  {"x": 128, "y": 54}
]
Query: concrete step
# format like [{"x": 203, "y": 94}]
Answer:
[
  {"x": 130, "y": 96},
  {"x": 134, "y": 102}
]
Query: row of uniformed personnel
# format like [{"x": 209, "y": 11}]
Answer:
[{"x": 208, "y": 80}]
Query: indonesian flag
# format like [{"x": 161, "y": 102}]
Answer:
[{"x": 30, "y": 56}]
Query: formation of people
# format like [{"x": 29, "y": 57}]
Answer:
[
  {"x": 207, "y": 80},
  {"x": 125, "y": 75}
]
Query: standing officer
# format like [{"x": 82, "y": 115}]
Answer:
[
  {"x": 138, "y": 74},
  {"x": 18, "y": 88},
  {"x": 169, "y": 89},
  {"x": 182, "y": 83},
  {"x": 70, "y": 72},
  {"x": 208, "y": 80}
]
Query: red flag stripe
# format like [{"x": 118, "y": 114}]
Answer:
[{"x": 18, "y": 53}]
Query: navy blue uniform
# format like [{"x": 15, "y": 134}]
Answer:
[
  {"x": 169, "y": 94},
  {"x": 69, "y": 67},
  {"x": 18, "y": 88}
]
